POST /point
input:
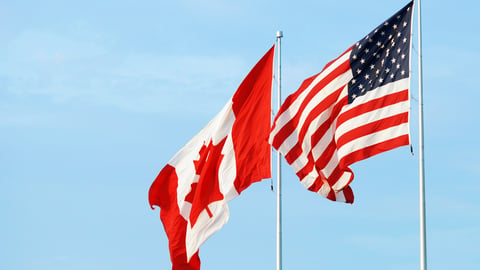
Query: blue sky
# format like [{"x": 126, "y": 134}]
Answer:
[{"x": 96, "y": 97}]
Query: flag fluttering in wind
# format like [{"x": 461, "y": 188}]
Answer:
[
  {"x": 356, "y": 107},
  {"x": 221, "y": 161}
]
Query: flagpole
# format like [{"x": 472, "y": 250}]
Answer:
[
  {"x": 423, "y": 242},
  {"x": 279, "y": 173}
]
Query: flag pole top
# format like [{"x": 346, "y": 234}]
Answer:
[{"x": 279, "y": 34}]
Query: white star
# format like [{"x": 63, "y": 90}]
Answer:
[
  {"x": 392, "y": 75},
  {"x": 398, "y": 17},
  {"x": 380, "y": 80},
  {"x": 367, "y": 76},
  {"x": 377, "y": 71},
  {"x": 404, "y": 24},
  {"x": 362, "y": 61},
  {"x": 379, "y": 43},
  {"x": 382, "y": 33},
  {"x": 359, "y": 71},
  {"x": 398, "y": 66},
  {"x": 402, "y": 72},
  {"x": 360, "y": 86},
  {"x": 403, "y": 56},
  {"x": 395, "y": 26},
  {"x": 372, "y": 66},
  {"x": 386, "y": 24},
  {"x": 354, "y": 81},
  {"x": 367, "y": 50},
  {"x": 354, "y": 57},
  {"x": 394, "y": 60},
  {"x": 399, "y": 50},
  {"x": 387, "y": 70},
  {"x": 405, "y": 40},
  {"x": 399, "y": 34},
  {"x": 390, "y": 37}
]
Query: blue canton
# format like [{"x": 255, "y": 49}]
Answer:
[{"x": 383, "y": 56}]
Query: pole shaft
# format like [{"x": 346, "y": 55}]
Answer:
[
  {"x": 423, "y": 244},
  {"x": 279, "y": 173}
]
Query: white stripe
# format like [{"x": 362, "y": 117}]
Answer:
[
  {"x": 289, "y": 143},
  {"x": 371, "y": 116},
  {"x": 373, "y": 139},
  {"x": 340, "y": 197},
  {"x": 342, "y": 182},
  {"x": 324, "y": 190},
  {"x": 390, "y": 88},
  {"x": 319, "y": 148},
  {"x": 308, "y": 180}
]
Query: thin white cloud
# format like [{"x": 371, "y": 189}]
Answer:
[{"x": 68, "y": 69}]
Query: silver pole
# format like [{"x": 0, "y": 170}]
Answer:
[
  {"x": 279, "y": 173},
  {"x": 423, "y": 241}
]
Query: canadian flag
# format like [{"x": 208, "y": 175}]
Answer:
[{"x": 228, "y": 155}]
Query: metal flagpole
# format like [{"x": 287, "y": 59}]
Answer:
[
  {"x": 279, "y": 174},
  {"x": 423, "y": 242}
]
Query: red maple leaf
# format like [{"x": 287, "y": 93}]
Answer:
[{"x": 207, "y": 189}]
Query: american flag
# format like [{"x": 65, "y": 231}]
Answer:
[{"x": 357, "y": 107}]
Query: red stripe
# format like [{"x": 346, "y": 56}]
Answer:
[
  {"x": 348, "y": 194},
  {"x": 337, "y": 174},
  {"x": 294, "y": 153},
  {"x": 372, "y": 105},
  {"x": 317, "y": 184},
  {"x": 326, "y": 156},
  {"x": 307, "y": 168},
  {"x": 367, "y": 152},
  {"x": 372, "y": 127}
]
